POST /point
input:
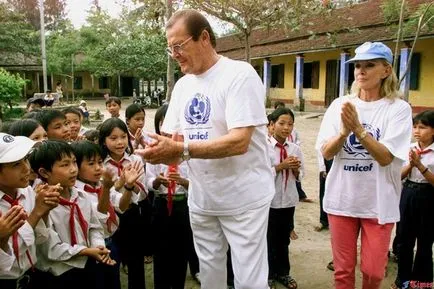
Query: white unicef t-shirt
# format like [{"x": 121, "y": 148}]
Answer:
[
  {"x": 357, "y": 186},
  {"x": 205, "y": 107}
]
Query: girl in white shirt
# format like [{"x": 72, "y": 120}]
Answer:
[
  {"x": 288, "y": 163},
  {"x": 171, "y": 221},
  {"x": 114, "y": 140},
  {"x": 135, "y": 119},
  {"x": 416, "y": 207}
]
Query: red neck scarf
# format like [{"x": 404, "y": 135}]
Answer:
[
  {"x": 15, "y": 247},
  {"x": 112, "y": 214},
  {"x": 81, "y": 220},
  {"x": 422, "y": 152},
  {"x": 118, "y": 165},
  {"x": 283, "y": 156},
  {"x": 171, "y": 188}
]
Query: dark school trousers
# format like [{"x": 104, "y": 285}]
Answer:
[
  {"x": 417, "y": 223},
  {"x": 300, "y": 191},
  {"x": 280, "y": 225},
  {"x": 135, "y": 241},
  {"x": 323, "y": 219},
  {"x": 27, "y": 281},
  {"x": 173, "y": 239},
  {"x": 109, "y": 276},
  {"x": 76, "y": 278}
]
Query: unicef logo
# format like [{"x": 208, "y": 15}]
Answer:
[
  {"x": 352, "y": 145},
  {"x": 198, "y": 109}
]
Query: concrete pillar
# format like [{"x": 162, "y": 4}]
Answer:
[
  {"x": 299, "y": 65},
  {"x": 267, "y": 76},
  {"x": 344, "y": 73},
  {"x": 405, "y": 84}
]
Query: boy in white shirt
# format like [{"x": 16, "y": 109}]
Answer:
[
  {"x": 76, "y": 233},
  {"x": 105, "y": 199},
  {"x": 22, "y": 213},
  {"x": 288, "y": 163}
]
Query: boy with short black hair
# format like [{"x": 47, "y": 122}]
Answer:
[
  {"x": 76, "y": 233},
  {"x": 74, "y": 119},
  {"x": 22, "y": 213},
  {"x": 97, "y": 183},
  {"x": 55, "y": 124},
  {"x": 113, "y": 105}
]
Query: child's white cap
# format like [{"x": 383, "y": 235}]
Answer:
[
  {"x": 14, "y": 148},
  {"x": 82, "y": 102}
]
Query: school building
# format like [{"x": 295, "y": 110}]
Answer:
[
  {"x": 80, "y": 83},
  {"x": 308, "y": 65}
]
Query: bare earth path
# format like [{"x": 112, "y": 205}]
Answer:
[{"x": 309, "y": 254}]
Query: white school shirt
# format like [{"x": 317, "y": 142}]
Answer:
[
  {"x": 28, "y": 238},
  {"x": 294, "y": 137},
  {"x": 114, "y": 201},
  {"x": 285, "y": 198},
  {"x": 207, "y": 106},
  {"x": 57, "y": 255},
  {"x": 320, "y": 159},
  {"x": 152, "y": 171},
  {"x": 426, "y": 159},
  {"x": 127, "y": 159},
  {"x": 145, "y": 137},
  {"x": 357, "y": 186}
]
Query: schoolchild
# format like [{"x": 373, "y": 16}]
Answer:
[
  {"x": 416, "y": 208},
  {"x": 74, "y": 118},
  {"x": 170, "y": 221},
  {"x": 32, "y": 129},
  {"x": 114, "y": 139},
  {"x": 76, "y": 240},
  {"x": 113, "y": 105},
  {"x": 135, "y": 119},
  {"x": 54, "y": 123},
  {"x": 23, "y": 214},
  {"x": 105, "y": 199},
  {"x": 288, "y": 164}
]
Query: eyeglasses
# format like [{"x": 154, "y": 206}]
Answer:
[{"x": 177, "y": 48}]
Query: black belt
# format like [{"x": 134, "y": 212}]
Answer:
[{"x": 420, "y": 186}]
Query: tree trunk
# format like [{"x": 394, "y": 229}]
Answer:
[
  {"x": 398, "y": 38},
  {"x": 170, "y": 64},
  {"x": 247, "y": 45}
]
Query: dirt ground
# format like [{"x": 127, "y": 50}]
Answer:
[{"x": 309, "y": 254}]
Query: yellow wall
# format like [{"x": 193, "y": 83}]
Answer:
[
  {"x": 424, "y": 96},
  {"x": 288, "y": 92}
]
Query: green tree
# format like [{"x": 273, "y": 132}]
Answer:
[
  {"x": 54, "y": 12},
  {"x": 248, "y": 15},
  {"x": 16, "y": 35},
  {"x": 408, "y": 24},
  {"x": 11, "y": 87}
]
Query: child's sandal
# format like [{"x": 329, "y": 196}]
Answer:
[{"x": 288, "y": 282}]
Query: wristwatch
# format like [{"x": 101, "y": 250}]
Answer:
[
  {"x": 185, "y": 153},
  {"x": 362, "y": 135}
]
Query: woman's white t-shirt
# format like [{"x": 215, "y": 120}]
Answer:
[
  {"x": 357, "y": 186},
  {"x": 205, "y": 107}
]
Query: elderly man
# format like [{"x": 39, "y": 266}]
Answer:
[{"x": 218, "y": 106}]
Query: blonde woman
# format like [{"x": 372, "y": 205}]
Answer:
[{"x": 367, "y": 133}]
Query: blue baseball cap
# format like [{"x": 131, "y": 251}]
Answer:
[{"x": 373, "y": 50}]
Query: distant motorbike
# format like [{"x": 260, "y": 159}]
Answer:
[{"x": 142, "y": 100}]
